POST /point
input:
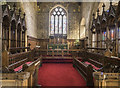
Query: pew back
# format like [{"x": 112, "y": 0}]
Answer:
[
  {"x": 28, "y": 62},
  {"x": 85, "y": 70}
]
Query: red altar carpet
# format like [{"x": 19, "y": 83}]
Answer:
[{"x": 59, "y": 74}]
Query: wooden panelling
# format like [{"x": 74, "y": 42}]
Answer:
[
  {"x": 33, "y": 42},
  {"x": 44, "y": 42}
]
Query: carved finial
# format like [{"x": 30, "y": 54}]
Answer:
[
  {"x": 103, "y": 7},
  {"x": 110, "y": 2},
  {"x": 93, "y": 15},
  {"x": 14, "y": 6},
  {"x": 97, "y": 11},
  {"x": 24, "y": 14},
  {"x": 19, "y": 11}
]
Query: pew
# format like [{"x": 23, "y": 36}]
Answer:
[
  {"x": 22, "y": 64},
  {"x": 95, "y": 64},
  {"x": 109, "y": 73},
  {"x": 100, "y": 60},
  {"x": 85, "y": 70}
]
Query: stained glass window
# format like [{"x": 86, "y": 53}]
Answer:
[
  {"x": 58, "y": 22},
  {"x": 104, "y": 35},
  {"x": 119, "y": 32},
  {"x": 119, "y": 38},
  {"x": 103, "y": 39},
  {"x": 93, "y": 40},
  {"x": 52, "y": 26},
  {"x": 64, "y": 24},
  {"x": 112, "y": 34}
]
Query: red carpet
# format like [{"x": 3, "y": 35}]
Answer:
[{"x": 56, "y": 74}]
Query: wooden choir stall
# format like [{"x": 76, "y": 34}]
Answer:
[
  {"x": 103, "y": 54},
  {"x": 19, "y": 64},
  {"x": 98, "y": 63}
]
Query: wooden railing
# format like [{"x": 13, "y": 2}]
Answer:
[
  {"x": 97, "y": 48},
  {"x": 18, "y": 59},
  {"x": 62, "y": 52},
  {"x": 14, "y": 50}
]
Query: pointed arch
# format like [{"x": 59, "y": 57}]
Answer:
[
  {"x": 82, "y": 28},
  {"x": 58, "y": 22}
]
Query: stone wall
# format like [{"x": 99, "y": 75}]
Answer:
[
  {"x": 30, "y": 8},
  {"x": 73, "y": 19}
]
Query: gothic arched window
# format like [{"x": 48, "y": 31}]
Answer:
[{"x": 58, "y": 22}]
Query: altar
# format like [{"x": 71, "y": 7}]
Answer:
[{"x": 57, "y": 49}]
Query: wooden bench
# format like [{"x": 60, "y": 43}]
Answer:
[
  {"x": 106, "y": 76},
  {"x": 19, "y": 63},
  {"x": 85, "y": 70},
  {"x": 96, "y": 63},
  {"x": 97, "y": 66},
  {"x": 103, "y": 62}
]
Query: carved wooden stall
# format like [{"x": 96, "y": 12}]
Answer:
[
  {"x": 106, "y": 26},
  {"x": 19, "y": 64},
  {"x": 108, "y": 66},
  {"x": 26, "y": 64},
  {"x": 109, "y": 73},
  {"x": 13, "y": 29},
  {"x": 105, "y": 58}
]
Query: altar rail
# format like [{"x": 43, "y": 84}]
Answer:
[{"x": 61, "y": 52}]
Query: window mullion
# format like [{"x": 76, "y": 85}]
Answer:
[
  {"x": 54, "y": 24},
  {"x": 58, "y": 24},
  {"x": 62, "y": 24}
]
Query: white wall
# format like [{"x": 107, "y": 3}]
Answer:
[{"x": 30, "y": 8}]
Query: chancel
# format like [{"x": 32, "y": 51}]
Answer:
[{"x": 60, "y": 44}]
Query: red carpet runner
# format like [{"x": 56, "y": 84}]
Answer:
[{"x": 56, "y": 74}]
